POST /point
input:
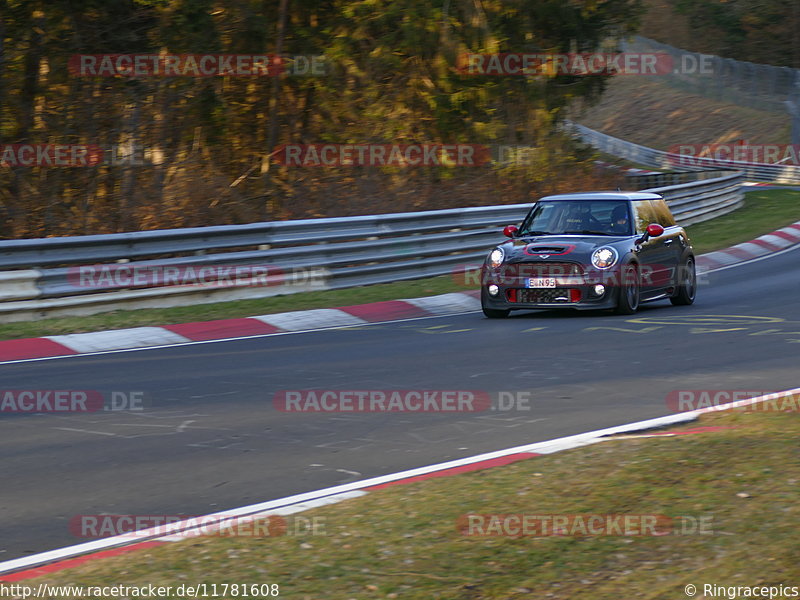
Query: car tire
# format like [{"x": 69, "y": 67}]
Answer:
[
  {"x": 687, "y": 288},
  {"x": 629, "y": 292}
]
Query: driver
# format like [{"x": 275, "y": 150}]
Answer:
[{"x": 619, "y": 219}]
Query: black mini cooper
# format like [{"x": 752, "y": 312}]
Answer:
[{"x": 598, "y": 250}]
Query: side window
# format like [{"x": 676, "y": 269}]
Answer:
[
  {"x": 663, "y": 215},
  {"x": 644, "y": 214}
]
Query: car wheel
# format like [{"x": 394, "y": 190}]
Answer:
[
  {"x": 687, "y": 288},
  {"x": 628, "y": 302}
]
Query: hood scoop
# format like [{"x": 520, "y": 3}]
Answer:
[{"x": 533, "y": 249}]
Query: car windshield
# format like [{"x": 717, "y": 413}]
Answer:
[{"x": 586, "y": 217}]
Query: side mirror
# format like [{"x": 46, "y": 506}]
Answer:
[
  {"x": 510, "y": 230},
  {"x": 653, "y": 230}
]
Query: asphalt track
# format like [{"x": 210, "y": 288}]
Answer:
[{"x": 212, "y": 439}]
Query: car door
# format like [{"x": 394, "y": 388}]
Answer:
[
  {"x": 673, "y": 240},
  {"x": 655, "y": 256}
]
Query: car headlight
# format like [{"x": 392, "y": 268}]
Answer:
[
  {"x": 605, "y": 257},
  {"x": 496, "y": 257}
]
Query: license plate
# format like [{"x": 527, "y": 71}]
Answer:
[{"x": 541, "y": 282}]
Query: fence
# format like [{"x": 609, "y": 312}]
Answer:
[{"x": 764, "y": 87}]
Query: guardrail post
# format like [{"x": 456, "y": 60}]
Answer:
[{"x": 19, "y": 285}]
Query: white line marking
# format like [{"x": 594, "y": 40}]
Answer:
[
  {"x": 353, "y": 473},
  {"x": 289, "y": 510},
  {"x": 86, "y": 431},
  {"x": 290, "y": 503},
  {"x": 184, "y": 425}
]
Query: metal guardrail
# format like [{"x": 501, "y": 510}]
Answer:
[
  {"x": 637, "y": 179},
  {"x": 302, "y": 255},
  {"x": 81, "y": 249},
  {"x": 706, "y": 199},
  {"x": 41, "y": 277},
  {"x": 789, "y": 175}
]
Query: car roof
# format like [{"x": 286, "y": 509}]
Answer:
[{"x": 604, "y": 196}]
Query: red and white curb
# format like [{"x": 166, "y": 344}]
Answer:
[
  {"x": 327, "y": 318},
  {"x": 56, "y": 560},
  {"x": 288, "y": 322},
  {"x": 761, "y": 246}
]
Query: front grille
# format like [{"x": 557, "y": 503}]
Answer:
[
  {"x": 539, "y": 296},
  {"x": 547, "y": 269}
]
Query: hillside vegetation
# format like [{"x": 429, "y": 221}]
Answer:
[{"x": 199, "y": 148}]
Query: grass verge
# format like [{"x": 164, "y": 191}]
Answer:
[
  {"x": 764, "y": 211},
  {"x": 403, "y": 542}
]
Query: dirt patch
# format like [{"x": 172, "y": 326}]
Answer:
[{"x": 650, "y": 112}]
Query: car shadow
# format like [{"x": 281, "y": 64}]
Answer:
[{"x": 548, "y": 314}]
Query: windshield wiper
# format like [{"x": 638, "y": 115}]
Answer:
[{"x": 592, "y": 232}]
